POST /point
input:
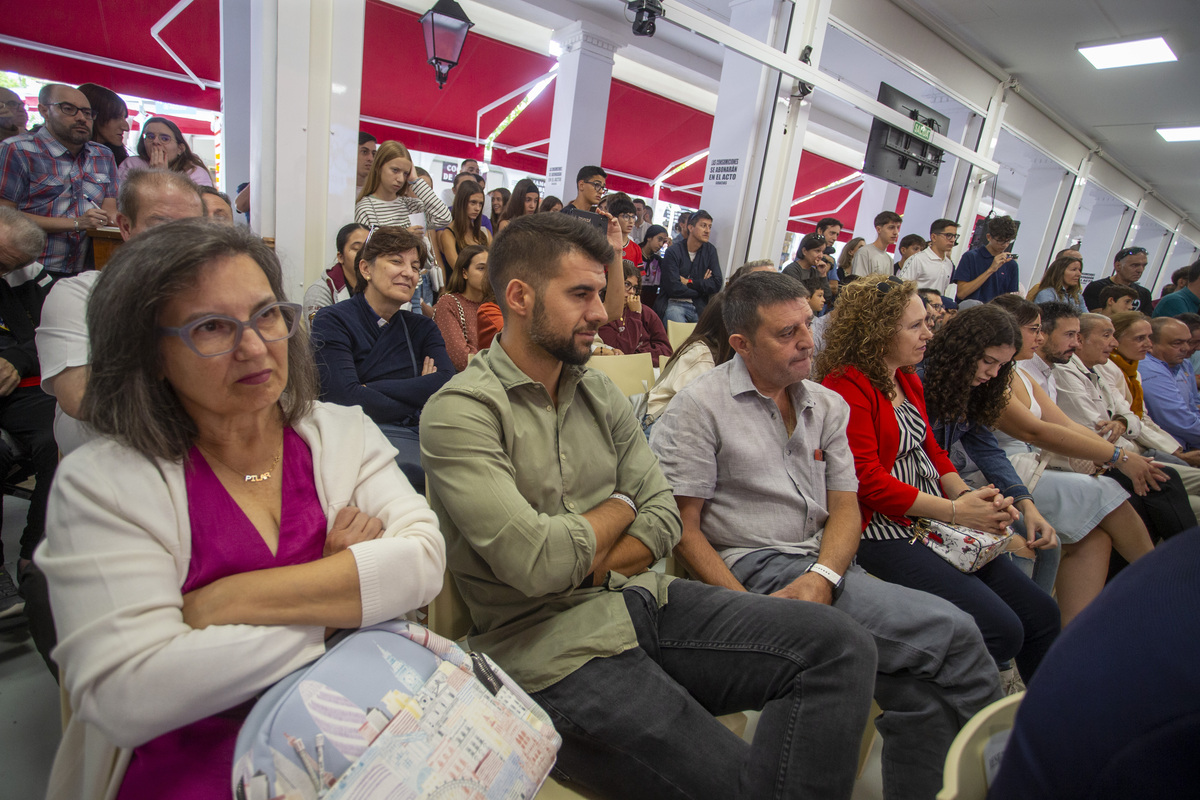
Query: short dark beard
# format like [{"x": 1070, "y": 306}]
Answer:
[
  {"x": 563, "y": 349},
  {"x": 1056, "y": 359}
]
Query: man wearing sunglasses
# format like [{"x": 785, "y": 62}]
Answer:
[
  {"x": 932, "y": 267},
  {"x": 61, "y": 180},
  {"x": 1128, "y": 266}
]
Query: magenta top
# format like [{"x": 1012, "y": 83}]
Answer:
[{"x": 195, "y": 762}]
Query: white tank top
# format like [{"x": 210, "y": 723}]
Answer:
[{"x": 1007, "y": 442}]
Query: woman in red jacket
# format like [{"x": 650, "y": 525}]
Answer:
[{"x": 877, "y": 337}]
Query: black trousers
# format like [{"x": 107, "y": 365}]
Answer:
[
  {"x": 28, "y": 416},
  {"x": 1165, "y": 512}
]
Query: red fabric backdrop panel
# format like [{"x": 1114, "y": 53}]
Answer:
[{"x": 119, "y": 31}]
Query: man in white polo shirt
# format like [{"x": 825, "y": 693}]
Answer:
[{"x": 931, "y": 268}]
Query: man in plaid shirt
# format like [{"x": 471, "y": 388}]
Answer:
[{"x": 61, "y": 180}]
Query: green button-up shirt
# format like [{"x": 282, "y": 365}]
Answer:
[{"x": 510, "y": 476}]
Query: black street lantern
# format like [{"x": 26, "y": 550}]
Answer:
[{"x": 446, "y": 29}]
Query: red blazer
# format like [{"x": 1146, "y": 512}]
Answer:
[{"x": 874, "y": 437}]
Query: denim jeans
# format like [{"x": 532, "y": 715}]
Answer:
[
  {"x": 407, "y": 442},
  {"x": 1017, "y": 619},
  {"x": 679, "y": 311},
  {"x": 934, "y": 672},
  {"x": 641, "y": 724}
]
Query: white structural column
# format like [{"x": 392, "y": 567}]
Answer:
[
  {"x": 1078, "y": 189},
  {"x": 236, "y": 49},
  {"x": 580, "y": 106},
  {"x": 746, "y": 105},
  {"x": 785, "y": 135},
  {"x": 305, "y": 103},
  {"x": 1181, "y": 253},
  {"x": 1107, "y": 226},
  {"x": 1042, "y": 203},
  {"x": 989, "y": 135},
  {"x": 345, "y": 102}
]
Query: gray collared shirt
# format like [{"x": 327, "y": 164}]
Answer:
[{"x": 723, "y": 441}]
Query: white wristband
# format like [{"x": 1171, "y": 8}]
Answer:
[
  {"x": 826, "y": 573},
  {"x": 626, "y": 499}
]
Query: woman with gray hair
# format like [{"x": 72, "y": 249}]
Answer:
[{"x": 223, "y": 524}]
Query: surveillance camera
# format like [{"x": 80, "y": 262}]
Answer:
[{"x": 645, "y": 12}]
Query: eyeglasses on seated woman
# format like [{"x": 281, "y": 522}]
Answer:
[{"x": 221, "y": 525}]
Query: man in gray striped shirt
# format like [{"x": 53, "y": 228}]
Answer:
[{"x": 764, "y": 479}]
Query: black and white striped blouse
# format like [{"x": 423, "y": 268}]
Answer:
[{"x": 912, "y": 467}]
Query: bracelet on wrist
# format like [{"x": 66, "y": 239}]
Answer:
[
  {"x": 626, "y": 499},
  {"x": 952, "y": 513},
  {"x": 1116, "y": 456}
]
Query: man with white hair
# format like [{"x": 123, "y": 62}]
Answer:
[
  {"x": 148, "y": 198},
  {"x": 1087, "y": 398}
]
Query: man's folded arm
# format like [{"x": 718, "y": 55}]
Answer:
[{"x": 466, "y": 466}]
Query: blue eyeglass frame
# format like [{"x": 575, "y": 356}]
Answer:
[{"x": 184, "y": 333}]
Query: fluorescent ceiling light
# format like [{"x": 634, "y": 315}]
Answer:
[
  {"x": 1180, "y": 134},
  {"x": 1129, "y": 54}
]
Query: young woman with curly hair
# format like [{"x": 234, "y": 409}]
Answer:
[
  {"x": 1092, "y": 515},
  {"x": 872, "y": 346},
  {"x": 965, "y": 373},
  {"x": 1062, "y": 283}
]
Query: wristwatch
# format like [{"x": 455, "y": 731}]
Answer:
[{"x": 838, "y": 581}]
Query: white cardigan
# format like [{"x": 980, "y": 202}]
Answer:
[{"x": 117, "y": 551}]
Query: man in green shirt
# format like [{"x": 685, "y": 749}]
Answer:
[{"x": 554, "y": 508}]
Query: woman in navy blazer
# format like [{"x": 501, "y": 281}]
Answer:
[
  {"x": 872, "y": 346},
  {"x": 373, "y": 354}
]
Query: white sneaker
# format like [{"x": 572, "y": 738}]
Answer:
[{"x": 1010, "y": 682}]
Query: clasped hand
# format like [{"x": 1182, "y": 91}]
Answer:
[{"x": 985, "y": 509}]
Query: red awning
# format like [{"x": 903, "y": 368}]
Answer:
[
  {"x": 829, "y": 189},
  {"x": 644, "y": 135},
  {"x": 121, "y": 32},
  {"x": 644, "y": 132}
]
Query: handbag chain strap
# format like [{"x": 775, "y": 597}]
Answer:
[{"x": 462, "y": 319}]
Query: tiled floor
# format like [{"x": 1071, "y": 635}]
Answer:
[
  {"x": 29, "y": 707},
  {"x": 29, "y": 710}
]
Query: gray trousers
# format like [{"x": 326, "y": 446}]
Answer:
[{"x": 934, "y": 672}]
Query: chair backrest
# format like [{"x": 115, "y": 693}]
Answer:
[
  {"x": 964, "y": 776},
  {"x": 678, "y": 332},
  {"x": 628, "y": 372},
  {"x": 448, "y": 613}
]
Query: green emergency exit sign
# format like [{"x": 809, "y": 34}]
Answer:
[{"x": 922, "y": 131}]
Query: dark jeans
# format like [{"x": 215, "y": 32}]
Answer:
[
  {"x": 28, "y": 415},
  {"x": 1017, "y": 619},
  {"x": 641, "y": 724},
  {"x": 37, "y": 610},
  {"x": 934, "y": 672},
  {"x": 407, "y": 442},
  {"x": 1167, "y": 511}
]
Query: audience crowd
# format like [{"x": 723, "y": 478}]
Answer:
[{"x": 242, "y": 473}]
